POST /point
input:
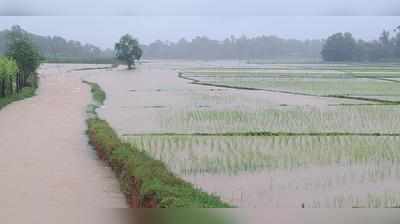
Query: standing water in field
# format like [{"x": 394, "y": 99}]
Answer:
[{"x": 279, "y": 145}]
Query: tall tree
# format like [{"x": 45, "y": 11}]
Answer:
[
  {"x": 386, "y": 45},
  {"x": 339, "y": 47},
  {"x": 128, "y": 50},
  {"x": 397, "y": 45},
  {"x": 8, "y": 71},
  {"x": 22, "y": 50}
]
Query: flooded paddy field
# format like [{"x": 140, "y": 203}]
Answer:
[{"x": 307, "y": 135}]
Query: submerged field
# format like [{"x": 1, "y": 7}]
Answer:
[
  {"x": 368, "y": 81},
  {"x": 278, "y": 135}
]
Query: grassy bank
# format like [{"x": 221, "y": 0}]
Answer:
[
  {"x": 68, "y": 60},
  {"x": 25, "y": 93},
  {"x": 146, "y": 182}
]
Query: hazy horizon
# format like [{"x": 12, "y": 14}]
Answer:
[
  {"x": 201, "y": 8},
  {"x": 104, "y": 31}
]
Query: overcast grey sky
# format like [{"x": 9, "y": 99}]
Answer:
[
  {"x": 173, "y": 19},
  {"x": 200, "y": 7},
  {"x": 105, "y": 31}
]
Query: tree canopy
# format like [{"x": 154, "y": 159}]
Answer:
[
  {"x": 8, "y": 74},
  {"x": 56, "y": 48},
  {"x": 339, "y": 47},
  {"x": 128, "y": 50},
  {"x": 343, "y": 47},
  {"x": 244, "y": 48},
  {"x": 21, "y": 49}
]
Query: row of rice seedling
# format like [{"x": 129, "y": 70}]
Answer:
[
  {"x": 335, "y": 186},
  {"x": 314, "y": 86},
  {"x": 192, "y": 155},
  {"x": 273, "y": 171},
  {"x": 267, "y": 73},
  {"x": 146, "y": 182},
  {"x": 284, "y": 171},
  {"x": 369, "y": 200},
  {"x": 301, "y": 70},
  {"x": 293, "y": 119}
]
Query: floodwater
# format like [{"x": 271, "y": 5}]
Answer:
[
  {"x": 46, "y": 164},
  {"x": 138, "y": 100},
  {"x": 49, "y": 174},
  {"x": 340, "y": 186}
]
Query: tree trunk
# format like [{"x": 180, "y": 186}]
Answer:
[
  {"x": 18, "y": 81},
  {"x": 25, "y": 78},
  {"x": 3, "y": 87},
  {"x": 11, "y": 87}
]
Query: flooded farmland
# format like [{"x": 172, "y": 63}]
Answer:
[{"x": 288, "y": 147}]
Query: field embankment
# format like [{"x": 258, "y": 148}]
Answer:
[{"x": 146, "y": 182}]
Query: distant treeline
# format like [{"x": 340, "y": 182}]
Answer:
[
  {"x": 344, "y": 47},
  {"x": 262, "y": 47},
  {"x": 338, "y": 47},
  {"x": 59, "y": 49}
]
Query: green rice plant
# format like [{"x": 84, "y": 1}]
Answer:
[
  {"x": 323, "y": 80},
  {"x": 293, "y": 119},
  {"x": 314, "y": 86},
  {"x": 232, "y": 155}
]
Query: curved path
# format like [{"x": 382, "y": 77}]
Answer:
[{"x": 45, "y": 161}]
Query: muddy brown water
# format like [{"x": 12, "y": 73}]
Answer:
[
  {"x": 46, "y": 163},
  {"x": 136, "y": 112},
  {"x": 141, "y": 110},
  {"x": 49, "y": 174}
]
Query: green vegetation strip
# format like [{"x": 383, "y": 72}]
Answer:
[
  {"x": 265, "y": 134},
  {"x": 145, "y": 181},
  {"x": 23, "y": 94},
  {"x": 198, "y": 82},
  {"x": 88, "y": 69},
  {"x": 386, "y": 102},
  {"x": 79, "y": 60}
]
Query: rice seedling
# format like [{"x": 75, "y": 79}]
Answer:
[
  {"x": 317, "y": 171},
  {"x": 261, "y": 149},
  {"x": 192, "y": 155},
  {"x": 314, "y": 86},
  {"x": 293, "y": 119}
]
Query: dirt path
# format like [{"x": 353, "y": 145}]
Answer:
[{"x": 45, "y": 161}]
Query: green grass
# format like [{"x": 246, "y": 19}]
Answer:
[
  {"x": 25, "y": 93},
  {"x": 155, "y": 178},
  {"x": 75, "y": 60},
  {"x": 99, "y": 96}
]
